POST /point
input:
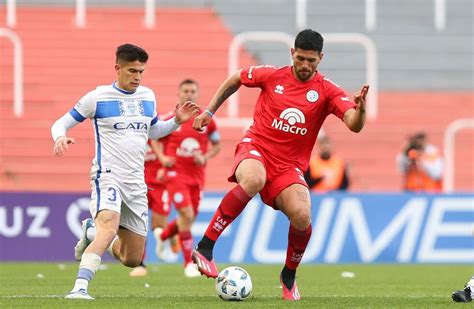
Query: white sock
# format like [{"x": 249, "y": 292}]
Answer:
[
  {"x": 87, "y": 268},
  {"x": 110, "y": 248},
  {"x": 90, "y": 233}
]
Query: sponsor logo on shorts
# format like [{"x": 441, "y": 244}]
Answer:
[{"x": 288, "y": 121}]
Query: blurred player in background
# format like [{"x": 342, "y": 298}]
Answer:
[
  {"x": 124, "y": 117},
  {"x": 327, "y": 171},
  {"x": 465, "y": 295},
  {"x": 157, "y": 195},
  {"x": 421, "y": 164},
  {"x": 186, "y": 154},
  {"x": 270, "y": 160}
]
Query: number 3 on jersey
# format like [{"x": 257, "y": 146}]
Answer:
[{"x": 113, "y": 194}]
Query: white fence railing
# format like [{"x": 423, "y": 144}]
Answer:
[
  {"x": 301, "y": 10},
  {"x": 17, "y": 70},
  {"x": 81, "y": 21},
  {"x": 11, "y": 13},
  {"x": 333, "y": 38},
  {"x": 448, "y": 144},
  {"x": 439, "y": 14}
]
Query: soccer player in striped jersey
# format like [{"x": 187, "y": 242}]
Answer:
[{"x": 124, "y": 117}]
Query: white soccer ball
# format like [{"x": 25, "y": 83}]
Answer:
[{"x": 234, "y": 284}]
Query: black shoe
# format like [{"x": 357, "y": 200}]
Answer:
[{"x": 462, "y": 296}]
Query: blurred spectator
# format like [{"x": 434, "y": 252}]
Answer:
[
  {"x": 327, "y": 171},
  {"x": 421, "y": 165}
]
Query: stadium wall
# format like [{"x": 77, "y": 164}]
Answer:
[{"x": 347, "y": 228}]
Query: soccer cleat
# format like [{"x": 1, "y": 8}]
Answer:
[
  {"x": 191, "y": 271},
  {"x": 160, "y": 248},
  {"x": 83, "y": 242},
  {"x": 80, "y": 294},
  {"x": 139, "y": 271},
  {"x": 462, "y": 296},
  {"x": 292, "y": 294},
  {"x": 205, "y": 267}
]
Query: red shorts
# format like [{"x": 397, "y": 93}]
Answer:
[
  {"x": 279, "y": 177},
  {"x": 183, "y": 195},
  {"x": 158, "y": 199}
]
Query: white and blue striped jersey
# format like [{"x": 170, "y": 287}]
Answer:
[{"x": 121, "y": 122}]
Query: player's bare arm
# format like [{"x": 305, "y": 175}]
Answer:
[
  {"x": 355, "y": 118},
  {"x": 165, "y": 160},
  {"x": 227, "y": 88},
  {"x": 201, "y": 159}
]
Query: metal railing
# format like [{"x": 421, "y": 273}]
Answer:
[
  {"x": 449, "y": 142},
  {"x": 81, "y": 21},
  {"x": 332, "y": 38},
  {"x": 439, "y": 14},
  {"x": 11, "y": 13},
  {"x": 17, "y": 70}
]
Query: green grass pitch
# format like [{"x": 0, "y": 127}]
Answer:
[{"x": 321, "y": 286}]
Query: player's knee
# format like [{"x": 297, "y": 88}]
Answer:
[
  {"x": 252, "y": 184},
  {"x": 301, "y": 219},
  {"x": 187, "y": 216},
  {"x": 106, "y": 234},
  {"x": 131, "y": 261}
]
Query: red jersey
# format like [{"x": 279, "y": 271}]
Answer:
[
  {"x": 152, "y": 165},
  {"x": 289, "y": 112},
  {"x": 183, "y": 144}
]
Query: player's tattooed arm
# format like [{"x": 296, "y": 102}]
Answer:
[
  {"x": 228, "y": 87},
  {"x": 225, "y": 95}
]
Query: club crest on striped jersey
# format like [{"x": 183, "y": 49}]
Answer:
[{"x": 130, "y": 107}]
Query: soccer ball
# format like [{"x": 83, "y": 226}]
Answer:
[{"x": 234, "y": 284}]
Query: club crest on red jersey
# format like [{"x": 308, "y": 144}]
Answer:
[{"x": 312, "y": 96}]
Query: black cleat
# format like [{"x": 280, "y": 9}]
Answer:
[{"x": 462, "y": 296}]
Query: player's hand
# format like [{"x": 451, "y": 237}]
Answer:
[
  {"x": 359, "y": 97},
  {"x": 199, "y": 159},
  {"x": 160, "y": 174},
  {"x": 201, "y": 121},
  {"x": 185, "y": 111},
  {"x": 167, "y": 161},
  {"x": 61, "y": 145}
]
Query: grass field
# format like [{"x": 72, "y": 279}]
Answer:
[{"x": 374, "y": 286}]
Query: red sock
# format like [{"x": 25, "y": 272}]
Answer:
[
  {"x": 170, "y": 230},
  {"x": 230, "y": 208},
  {"x": 297, "y": 242},
  {"x": 186, "y": 240}
]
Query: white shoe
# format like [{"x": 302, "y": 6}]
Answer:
[
  {"x": 191, "y": 271},
  {"x": 139, "y": 271},
  {"x": 160, "y": 249},
  {"x": 80, "y": 294},
  {"x": 83, "y": 241}
]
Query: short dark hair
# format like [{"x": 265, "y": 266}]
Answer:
[
  {"x": 188, "y": 81},
  {"x": 129, "y": 52},
  {"x": 309, "y": 39}
]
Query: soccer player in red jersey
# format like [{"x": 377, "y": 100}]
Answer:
[
  {"x": 157, "y": 195},
  {"x": 275, "y": 151},
  {"x": 188, "y": 149}
]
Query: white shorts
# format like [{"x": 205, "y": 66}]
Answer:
[{"x": 127, "y": 199}]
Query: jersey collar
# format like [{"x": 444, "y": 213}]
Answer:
[{"x": 120, "y": 89}]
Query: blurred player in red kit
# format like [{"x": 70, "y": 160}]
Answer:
[
  {"x": 157, "y": 194},
  {"x": 275, "y": 151},
  {"x": 186, "y": 154}
]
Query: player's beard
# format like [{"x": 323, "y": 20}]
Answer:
[{"x": 304, "y": 75}]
